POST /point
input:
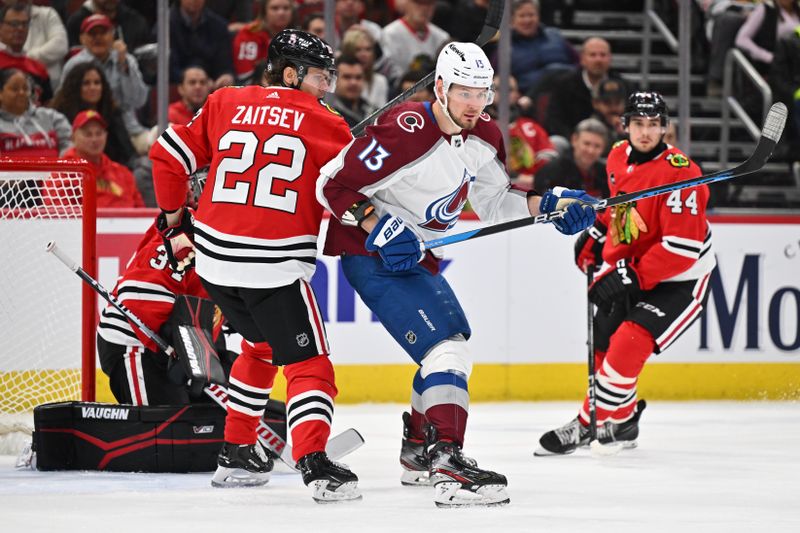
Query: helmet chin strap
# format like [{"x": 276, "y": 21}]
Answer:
[{"x": 443, "y": 105}]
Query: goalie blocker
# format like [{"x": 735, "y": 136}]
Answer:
[{"x": 128, "y": 438}]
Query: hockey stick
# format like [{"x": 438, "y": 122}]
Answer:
[
  {"x": 338, "y": 446},
  {"x": 494, "y": 15},
  {"x": 770, "y": 135},
  {"x": 595, "y": 445}
]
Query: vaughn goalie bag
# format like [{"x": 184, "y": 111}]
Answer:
[{"x": 127, "y": 438}]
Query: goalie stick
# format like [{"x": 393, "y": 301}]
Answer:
[
  {"x": 337, "y": 447},
  {"x": 491, "y": 25},
  {"x": 770, "y": 135}
]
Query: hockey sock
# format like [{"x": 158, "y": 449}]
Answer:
[
  {"x": 250, "y": 384},
  {"x": 310, "y": 391},
  {"x": 444, "y": 398},
  {"x": 418, "y": 420},
  {"x": 618, "y": 374}
]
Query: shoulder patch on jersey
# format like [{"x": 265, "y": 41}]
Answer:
[
  {"x": 329, "y": 108},
  {"x": 678, "y": 160},
  {"x": 410, "y": 120},
  {"x": 485, "y": 116},
  {"x": 618, "y": 143}
]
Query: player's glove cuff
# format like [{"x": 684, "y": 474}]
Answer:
[
  {"x": 614, "y": 284},
  {"x": 589, "y": 246}
]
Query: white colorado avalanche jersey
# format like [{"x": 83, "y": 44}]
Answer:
[{"x": 406, "y": 166}]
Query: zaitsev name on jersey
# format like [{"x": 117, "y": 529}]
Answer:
[
  {"x": 667, "y": 237},
  {"x": 406, "y": 160},
  {"x": 269, "y": 115},
  {"x": 253, "y": 227}
]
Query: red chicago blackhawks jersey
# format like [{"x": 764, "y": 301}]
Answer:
[
  {"x": 667, "y": 237},
  {"x": 147, "y": 287},
  {"x": 257, "y": 221}
]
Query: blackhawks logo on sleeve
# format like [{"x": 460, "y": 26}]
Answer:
[
  {"x": 626, "y": 224},
  {"x": 678, "y": 160}
]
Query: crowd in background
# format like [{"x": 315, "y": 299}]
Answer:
[{"x": 77, "y": 77}]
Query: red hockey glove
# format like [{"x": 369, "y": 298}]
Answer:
[
  {"x": 589, "y": 246},
  {"x": 178, "y": 240},
  {"x": 614, "y": 284}
]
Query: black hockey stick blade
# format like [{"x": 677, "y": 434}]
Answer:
[
  {"x": 491, "y": 26},
  {"x": 770, "y": 135}
]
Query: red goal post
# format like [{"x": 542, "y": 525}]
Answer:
[{"x": 43, "y": 200}]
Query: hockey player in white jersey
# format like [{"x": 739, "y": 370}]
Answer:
[{"x": 406, "y": 180}]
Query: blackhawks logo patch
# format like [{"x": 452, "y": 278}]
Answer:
[
  {"x": 618, "y": 143},
  {"x": 678, "y": 160}
]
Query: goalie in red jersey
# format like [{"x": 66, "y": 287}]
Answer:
[
  {"x": 255, "y": 239},
  {"x": 653, "y": 259}
]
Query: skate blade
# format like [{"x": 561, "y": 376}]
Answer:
[
  {"x": 225, "y": 478},
  {"x": 543, "y": 452},
  {"x": 452, "y": 494},
  {"x": 415, "y": 478},
  {"x": 345, "y": 493}
]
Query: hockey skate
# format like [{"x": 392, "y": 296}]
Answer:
[
  {"x": 330, "y": 482},
  {"x": 563, "y": 440},
  {"x": 413, "y": 458},
  {"x": 242, "y": 465},
  {"x": 459, "y": 482},
  {"x": 624, "y": 433}
]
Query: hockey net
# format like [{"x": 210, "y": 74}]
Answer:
[{"x": 47, "y": 348}]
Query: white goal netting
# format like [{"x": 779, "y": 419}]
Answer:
[{"x": 41, "y": 317}]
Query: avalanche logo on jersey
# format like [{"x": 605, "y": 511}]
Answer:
[{"x": 443, "y": 213}]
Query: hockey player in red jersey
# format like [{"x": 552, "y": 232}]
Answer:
[
  {"x": 136, "y": 368},
  {"x": 653, "y": 260},
  {"x": 255, "y": 239},
  {"x": 405, "y": 180}
]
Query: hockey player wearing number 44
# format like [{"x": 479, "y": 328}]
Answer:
[
  {"x": 653, "y": 260},
  {"x": 255, "y": 239},
  {"x": 408, "y": 179}
]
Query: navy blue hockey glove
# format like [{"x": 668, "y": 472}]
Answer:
[
  {"x": 614, "y": 284},
  {"x": 397, "y": 245},
  {"x": 178, "y": 240},
  {"x": 579, "y": 215}
]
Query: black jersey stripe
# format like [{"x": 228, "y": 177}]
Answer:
[
  {"x": 106, "y": 325},
  {"x": 267, "y": 248},
  {"x": 240, "y": 259},
  {"x": 170, "y": 141}
]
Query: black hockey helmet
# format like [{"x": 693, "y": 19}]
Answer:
[
  {"x": 300, "y": 50},
  {"x": 645, "y": 104}
]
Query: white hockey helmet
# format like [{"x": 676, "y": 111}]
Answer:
[{"x": 465, "y": 64}]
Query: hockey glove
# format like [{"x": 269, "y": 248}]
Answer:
[
  {"x": 397, "y": 245},
  {"x": 579, "y": 215},
  {"x": 614, "y": 284},
  {"x": 178, "y": 240},
  {"x": 589, "y": 246}
]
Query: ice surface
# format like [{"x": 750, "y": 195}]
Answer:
[{"x": 715, "y": 466}]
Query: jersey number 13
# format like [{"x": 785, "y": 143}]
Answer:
[{"x": 263, "y": 195}]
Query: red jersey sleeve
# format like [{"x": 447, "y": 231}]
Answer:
[{"x": 177, "y": 154}]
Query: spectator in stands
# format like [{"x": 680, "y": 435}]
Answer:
[
  {"x": 535, "y": 48},
  {"x": 580, "y": 167},
  {"x": 251, "y": 43},
  {"x": 347, "y": 99},
  {"x": 785, "y": 81},
  {"x": 358, "y": 42},
  {"x": 27, "y": 130},
  {"x": 116, "y": 186},
  {"x": 530, "y": 149},
  {"x": 86, "y": 87},
  {"x": 410, "y": 36},
  {"x": 462, "y": 19},
  {"x": 238, "y": 13},
  {"x": 314, "y": 23},
  {"x": 608, "y": 101},
  {"x": 763, "y": 27},
  {"x": 571, "y": 96},
  {"x": 408, "y": 80},
  {"x": 199, "y": 37},
  {"x": 351, "y": 12},
  {"x": 15, "y": 20},
  {"x": 129, "y": 26},
  {"x": 193, "y": 89},
  {"x": 121, "y": 70},
  {"x": 47, "y": 38},
  {"x": 725, "y": 18}
]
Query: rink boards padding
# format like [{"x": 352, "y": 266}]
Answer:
[{"x": 125, "y": 438}]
